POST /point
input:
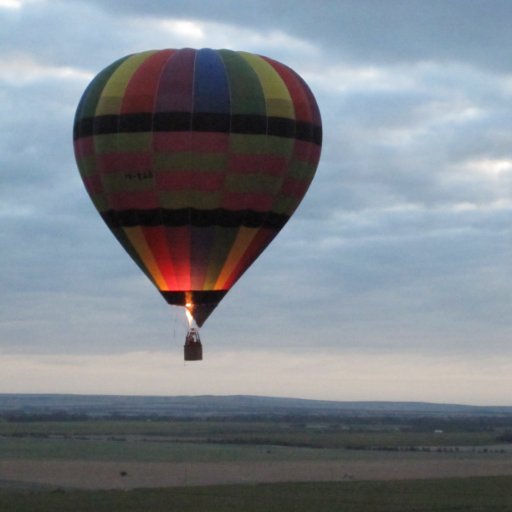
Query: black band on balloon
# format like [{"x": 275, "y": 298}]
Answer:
[
  {"x": 198, "y": 121},
  {"x": 194, "y": 297},
  {"x": 193, "y": 217}
]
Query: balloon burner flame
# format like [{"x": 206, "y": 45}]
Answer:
[{"x": 190, "y": 318}]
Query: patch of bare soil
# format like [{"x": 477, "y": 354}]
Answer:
[{"x": 129, "y": 475}]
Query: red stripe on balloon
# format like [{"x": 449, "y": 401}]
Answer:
[
  {"x": 209, "y": 142},
  {"x": 142, "y": 88},
  {"x": 178, "y": 239},
  {"x": 84, "y": 146},
  {"x": 259, "y": 202},
  {"x": 306, "y": 151},
  {"x": 138, "y": 200},
  {"x": 294, "y": 188},
  {"x": 157, "y": 240},
  {"x": 176, "y": 87},
  {"x": 124, "y": 162},
  {"x": 93, "y": 184}
]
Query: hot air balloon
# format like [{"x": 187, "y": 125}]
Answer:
[{"x": 195, "y": 159}]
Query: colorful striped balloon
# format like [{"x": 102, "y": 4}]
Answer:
[{"x": 196, "y": 159}]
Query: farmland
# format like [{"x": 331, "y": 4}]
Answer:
[{"x": 70, "y": 459}]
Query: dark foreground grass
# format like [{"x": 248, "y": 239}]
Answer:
[{"x": 489, "y": 494}]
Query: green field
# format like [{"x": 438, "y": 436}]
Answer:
[
  {"x": 215, "y": 441},
  {"x": 254, "y": 433},
  {"x": 491, "y": 494}
]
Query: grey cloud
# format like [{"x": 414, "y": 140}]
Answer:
[
  {"x": 372, "y": 31},
  {"x": 384, "y": 146}
]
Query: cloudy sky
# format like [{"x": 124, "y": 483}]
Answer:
[{"x": 393, "y": 280}]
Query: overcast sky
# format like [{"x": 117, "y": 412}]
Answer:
[{"x": 391, "y": 282}]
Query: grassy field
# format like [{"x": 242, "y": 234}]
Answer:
[
  {"x": 219, "y": 441},
  {"x": 253, "y": 433},
  {"x": 162, "y": 451},
  {"x": 375, "y": 448},
  {"x": 492, "y": 494},
  {"x": 147, "y": 451}
]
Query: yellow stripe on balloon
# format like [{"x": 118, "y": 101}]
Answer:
[
  {"x": 243, "y": 240},
  {"x": 112, "y": 94},
  {"x": 277, "y": 96},
  {"x": 137, "y": 239}
]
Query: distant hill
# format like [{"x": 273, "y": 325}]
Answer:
[{"x": 207, "y": 406}]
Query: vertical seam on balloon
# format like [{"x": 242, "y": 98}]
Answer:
[
  {"x": 195, "y": 173},
  {"x": 216, "y": 226},
  {"x": 189, "y": 167},
  {"x": 99, "y": 94},
  {"x": 155, "y": 190},
  {"x": 117, "y": 144},
  {"x": 291, "y": 158},
  {"x": 137, "y": 259},
  {"x": 245, "y": 209},
  {"x": 147, "y": 272},
  {"x": 240, "y": 266},
  {"x": 87, "y": 103},
  {"x": 147, "y": 263},
  {"x": 101, "y": 173},
  {"x": 228, "y": 257}
]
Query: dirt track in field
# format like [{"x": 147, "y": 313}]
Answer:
[{"x": 129, "y": 475}]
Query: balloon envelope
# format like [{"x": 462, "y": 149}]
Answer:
[{"x": 196, "y": 159}]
